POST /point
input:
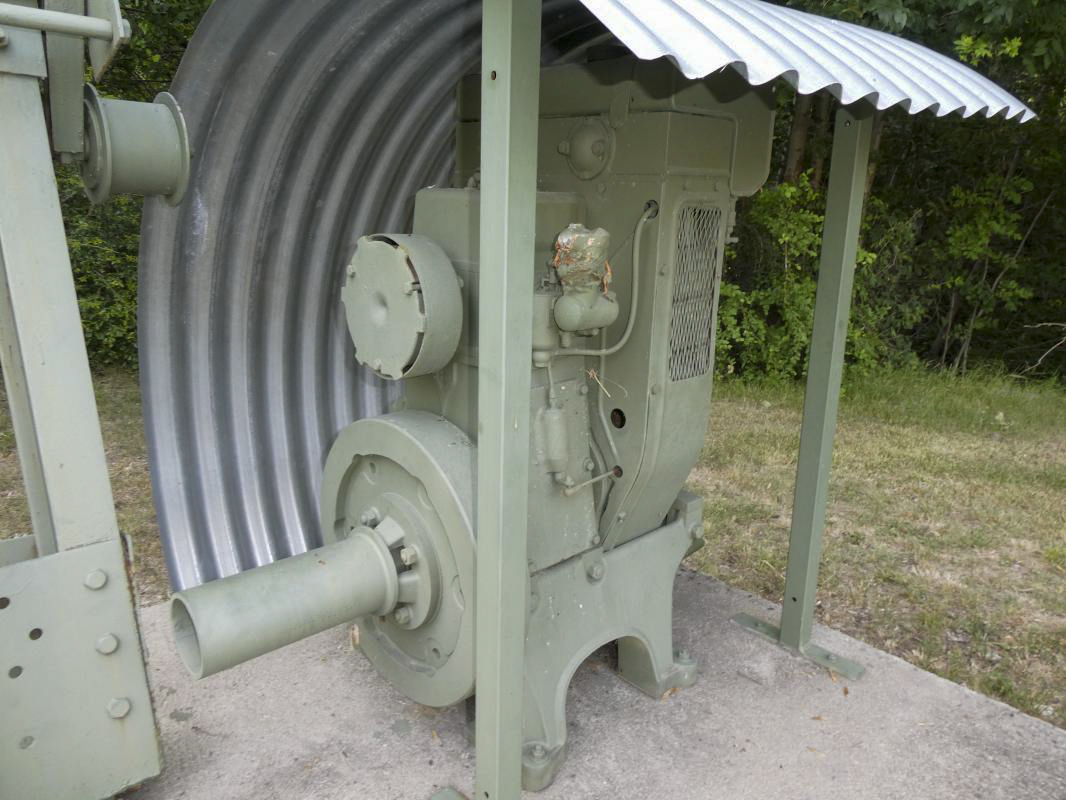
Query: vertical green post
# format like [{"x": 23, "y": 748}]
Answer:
[
  {"x": 46, "y": 369},
  {"x": 847, "y": 183},
  {"x": 510, "y": 88}
]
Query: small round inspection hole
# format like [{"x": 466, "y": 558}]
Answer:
[
  {"x": 435, "y": 652},
  {"x": 36, "y": 634},
  {"x": 5, "y": 602},
  {"x": 26, "y": 742},
  {"x": 372, "y": 467},
  {"x": 14, "y": 672},
  {"x": 618, "y": 418},
  {"x": 492, "y": 75}
]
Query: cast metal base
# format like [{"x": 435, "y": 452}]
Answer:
[{"x": 584, "y": 603}]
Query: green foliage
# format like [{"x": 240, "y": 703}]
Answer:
[
  {"x": 767, "y": 302},
  {"x": 103, "y": 242}
]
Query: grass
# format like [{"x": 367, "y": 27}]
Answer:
[
  {"x": 946, "y": 533},
  {"x": 945, "y": 540},
  {"x": 119, "y": 401}
]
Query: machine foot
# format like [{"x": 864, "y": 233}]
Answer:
[{"x": 819, "y": 655}]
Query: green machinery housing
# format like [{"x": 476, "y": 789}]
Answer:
[{"x": 639, "y": 172}]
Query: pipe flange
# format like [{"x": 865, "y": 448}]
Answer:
[{"x": 410, "y": 476}]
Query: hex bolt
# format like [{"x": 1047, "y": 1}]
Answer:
[
  {"x": 564, "y": 147},
  {"x": 408, "y": 556},
  {"x": 402, "y": 615},
  {"x": 583, "y": 389},
  {"x": 595, "y": 571},
  {"x": 119, "y": 707},
  {"x": 589, "y": 465},
  {"x": 107, "y": 644},
  {"x": 369, "y": 517},
  {"x": 682, "y": 655},
  {"x": 539, "y": 751},
  {"x": 696, "y": 531},
  {"x": 97, "y": 579}
]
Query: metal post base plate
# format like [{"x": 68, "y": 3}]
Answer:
[{"x": 819, "y": 655}]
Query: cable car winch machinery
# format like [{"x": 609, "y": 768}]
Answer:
[
  {"x": 639, "y": 170},
  {"x": 246, "y": 377}
]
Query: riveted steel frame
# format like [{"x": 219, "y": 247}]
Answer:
[
  {"x": 840, "y": 240},
  {"x": 78, "y": 720},
  {"x": 46, "y": 369},
  {"x": 510, "y": 96}
]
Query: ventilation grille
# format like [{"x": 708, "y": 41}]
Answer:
[{"x": 695, "y": 281}]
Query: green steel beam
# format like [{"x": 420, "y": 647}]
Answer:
[
  {"x": 840, "y": 239},
  {"x": 510, "y": 96},
  {"x": 45, "y": 366}
]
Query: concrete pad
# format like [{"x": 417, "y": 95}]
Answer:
[{"x": 316, "y": 721}]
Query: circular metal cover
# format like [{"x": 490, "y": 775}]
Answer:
[
  {"x": 312, "y": 124},
  {"x": 403, "y": 305},
  {"x": 418, "y": 470}
]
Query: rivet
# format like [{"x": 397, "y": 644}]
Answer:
[
  {"x": 589, "y": 465},
  {"x": 107, "y": 644},
  {"x": 408, "y": 556},
  {"x": 595, "y": 571},
  {"x": 119, "y": 707},
  {"x": 97, "y": 579},
  {"x": 583, "y": 389}
]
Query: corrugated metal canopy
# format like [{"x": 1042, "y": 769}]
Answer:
[{"x": 763, "y": 41}]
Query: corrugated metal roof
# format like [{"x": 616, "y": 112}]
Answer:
[{"x": 763, "y": 41}]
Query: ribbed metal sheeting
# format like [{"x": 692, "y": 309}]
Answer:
[
  {"x": 763, "y": 41},
  {"x": 312, "y": 123}
]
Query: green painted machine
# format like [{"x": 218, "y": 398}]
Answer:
[
  {"x": 547, "y": 326},
  {"x": 639, "y": 171}
]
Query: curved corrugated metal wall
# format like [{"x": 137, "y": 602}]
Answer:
[{"x": 312, "y": 123}]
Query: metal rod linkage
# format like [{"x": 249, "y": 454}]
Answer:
[{"x": 38, "y": 19}]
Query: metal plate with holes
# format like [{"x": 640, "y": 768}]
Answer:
[{"x": 77, "y": 715}]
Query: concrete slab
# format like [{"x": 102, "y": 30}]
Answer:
[{"x": 316, "y": 721}]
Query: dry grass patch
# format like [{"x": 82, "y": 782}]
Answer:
[
  {"x": 118, "y": 398},
  {"x": 946, "y": 534}
]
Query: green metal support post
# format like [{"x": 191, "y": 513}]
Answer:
[
  {"x": 510, "y": 96},
  {"x": 840, "y": 240},
  {"x": 77, "y": 715}
]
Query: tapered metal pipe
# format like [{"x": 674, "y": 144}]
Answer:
[{"x": 229, "y": 621}]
